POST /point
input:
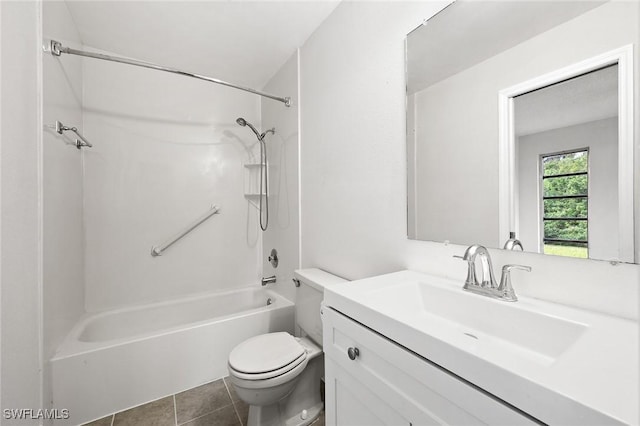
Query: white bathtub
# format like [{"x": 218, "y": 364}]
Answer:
[{"x": 118, "y": 359}]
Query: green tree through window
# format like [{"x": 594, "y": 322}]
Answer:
[{"x": 565, "y": 191}]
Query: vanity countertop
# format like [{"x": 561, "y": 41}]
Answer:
[{"x": 559, "y": 364}]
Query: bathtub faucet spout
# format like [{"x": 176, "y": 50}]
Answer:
[{"x": 268, "y": 280}]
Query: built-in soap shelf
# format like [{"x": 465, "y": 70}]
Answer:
[{"x": 252, "y": 183}]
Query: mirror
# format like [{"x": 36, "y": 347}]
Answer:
[{"x": 520, "y": 123}]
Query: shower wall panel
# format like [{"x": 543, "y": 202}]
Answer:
[
  {"x": 63, "y": 231},
  {"x": 166, "y": 148},
  {"x": 284, "y": 201}
]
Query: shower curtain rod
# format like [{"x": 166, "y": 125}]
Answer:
[{"x": 57, "y": 49}]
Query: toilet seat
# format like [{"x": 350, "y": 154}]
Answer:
[
  {"x": 267, "y": 356},
  {"x": 269, "y": 374}
]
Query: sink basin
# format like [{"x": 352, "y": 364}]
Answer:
[
  {"x": 479, "y": 317},
  {"x": 559, "y": 364}
]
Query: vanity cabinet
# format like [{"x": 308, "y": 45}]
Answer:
[{"x": 370, "y": 380}]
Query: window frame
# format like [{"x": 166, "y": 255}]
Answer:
[{"x": 541, "y": 197}]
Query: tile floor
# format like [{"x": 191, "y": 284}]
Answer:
[{"x": 212, "y": 404}]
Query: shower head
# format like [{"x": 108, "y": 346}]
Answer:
[
  {"x": 241, "y": 121},
  {"x": 263, "y": 170}
]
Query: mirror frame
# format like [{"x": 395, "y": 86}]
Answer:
[{"x": 507, "y": 198}]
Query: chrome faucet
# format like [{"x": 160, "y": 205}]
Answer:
[
  {"x": 513, "y": 243},
  {"x": 488, "y": 279},
  {"x": 268, "y": 280},
  {"x": 487, "y": 286}
]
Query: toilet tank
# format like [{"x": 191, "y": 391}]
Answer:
[{"x": 309, "y": 296}]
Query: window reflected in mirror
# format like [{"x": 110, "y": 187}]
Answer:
[
  {"x": 565, "y": 203},
  {"x": 566, "y": 144}
]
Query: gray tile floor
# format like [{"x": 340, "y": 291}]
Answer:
[{"x": 212, "y": 404}]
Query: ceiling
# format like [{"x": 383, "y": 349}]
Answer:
[
  {"x": 242, "y": 42},
  {"x": 469, "y": 31},
  {"x": 589, "y": 97}
]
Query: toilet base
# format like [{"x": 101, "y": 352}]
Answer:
[
  {"x": 311, "y": 416},
  {"x": 288, "y": 411},
  {"x": 274, "y": 412}
]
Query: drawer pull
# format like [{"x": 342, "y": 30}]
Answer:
[{"x": 353, "y": 353}]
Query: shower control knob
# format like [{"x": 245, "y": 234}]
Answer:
[
  {"x": 273, "y": 258},
  {"x": 353, "y": 353}
]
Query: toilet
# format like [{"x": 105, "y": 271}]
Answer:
[{"x": 279, "y": 375}]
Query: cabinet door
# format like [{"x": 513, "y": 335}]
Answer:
[
  {"x": 387, "y": 378},
  {"x": 353, "y": 403}
]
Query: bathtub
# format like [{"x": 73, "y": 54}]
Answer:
[{"x": 114, "y": 360}]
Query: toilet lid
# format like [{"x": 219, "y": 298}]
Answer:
[{"x": 264, "y": 353}]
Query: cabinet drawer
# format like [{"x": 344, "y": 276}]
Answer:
[{"x": 421, "y": 392}]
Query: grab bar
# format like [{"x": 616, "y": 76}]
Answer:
[
  {"x": 157, "y": 250},
  {"x": 80, "y": 142}
]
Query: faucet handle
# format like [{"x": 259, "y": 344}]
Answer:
[
  {"x": 507, "y": 268},
  {"x": 505, "y": 286},
  {"x": 510, "y": 267}
]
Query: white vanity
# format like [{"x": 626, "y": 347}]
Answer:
[{"x": 413, "y": 349}]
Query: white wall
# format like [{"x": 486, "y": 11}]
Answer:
[
  {"x": 20, "y": 225},
  {"x": 63, "y": 231},
  {"x": 462, "y": 115},
  {"x": 601, "y": 137},
  {"x": 284, "y": 203},
  {"x": 412, "y": 196},
  {"x": 353, "y": 168},
  {"x": 166, "y": 148}
]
